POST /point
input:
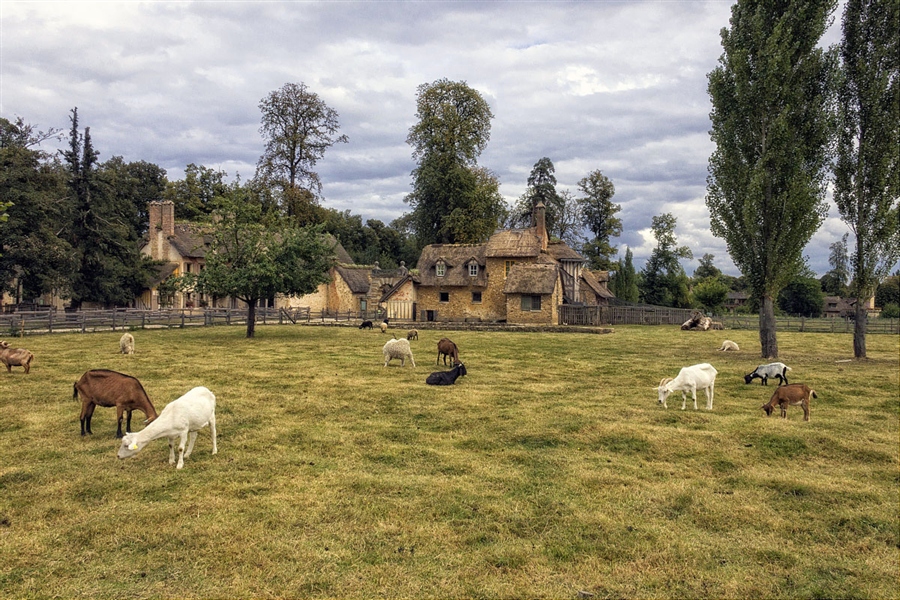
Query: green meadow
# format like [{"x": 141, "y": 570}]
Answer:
[{"x": 549, "y": 471}]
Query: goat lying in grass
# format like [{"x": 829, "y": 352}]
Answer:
[
  {"x": 690, "y": 379},
  {"x": 775, "y": 370},
  {"x": 179, "y": 420},
  {"x": 447, "y": 377},
  {"x": 795, "y": 394}
]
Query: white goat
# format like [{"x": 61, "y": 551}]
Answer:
[
  {"x": 690, "y": 379},
  {"x": 398, "y": 349},
  {"x": 180, "y": 419},
  {"x": 728, "y": 345},
  {"x": 126, "y": 344}
]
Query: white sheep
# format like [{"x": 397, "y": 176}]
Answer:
[
  {"x": 398, "y": 349},
  {"x": 690, "y": 379},
  {"x": 383, "y": 326},
  {"x": 180, "y": 419},
  {"x": 728, "y": 345},
  {"x": 126, "y": 344}
]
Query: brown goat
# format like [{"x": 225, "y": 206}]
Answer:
[
  {"x": 795, "y": 394},
  {"x": 446, "y": 347},
  {"x": 15, "y": 357},
  {"x": 100, "y": 387}
]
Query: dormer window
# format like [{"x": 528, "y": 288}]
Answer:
[
  {"x": 441, "y": 269},
  {"x": 473, "y": 269}
]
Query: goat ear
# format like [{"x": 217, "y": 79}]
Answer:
[{"x": 133, "y": 446}]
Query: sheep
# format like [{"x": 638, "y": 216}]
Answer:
[
  {"x": 180, "y": 420},
  {"x": 728, "y": 345},
  {"x": 383, "y": 327},
  {"x": 795, "y": 394},
  {"x": 774, "y": 370},
  {"x": 447, "y": 377},
  {"x": 366, "y": 325},
  {"x": 447, "y": 348},
  {"x": 15, "y": 357},
  {"x": 397, "y": 349},
  {"x": 412, "y": 334},
  {"x": 690, "y": 379},
  {"x": 100, "y": 387},
  {"x": 126, "y": 344}
]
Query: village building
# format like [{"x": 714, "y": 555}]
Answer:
[{"x": 517, "y": 276}]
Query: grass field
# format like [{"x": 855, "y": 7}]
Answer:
[{"x": 548, "y": 471}]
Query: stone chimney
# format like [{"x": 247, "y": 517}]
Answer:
[
  {"x": 540, "y": 224},
  {"x": 161, "y": 225}
]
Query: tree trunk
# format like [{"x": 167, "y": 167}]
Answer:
[
  {"x": 859, "y": 329},
  {"x": 251, "y": 318},
  {"x": 767, "y": 338}
]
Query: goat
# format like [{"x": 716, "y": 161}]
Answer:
[
  {"x": 383, "y": 326},
  {"x": 794, "y": 394},
  {"x": 15, "y": 357},
  {"x": 447, "y": 348},
  {"x": 690, "y": 379},
  {"x": 412, "y": 334},
  {"x": 395, "y": 348},
  {"x": 366, "y": 325},
  {"x": 100, "y": 387},
  {"x": 180, "y": 420},
  {"x": 126, "y": 344},
  {"x": 447, "y": 377},
  {"x": 774, "y": 370},
  {"x": 728, "y": 345}
]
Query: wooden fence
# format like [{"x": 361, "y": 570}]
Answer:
[{"x": 33, "y": 322}]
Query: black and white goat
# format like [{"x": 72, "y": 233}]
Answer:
[
  {"x": 447, "y": 377},
  {"x": 775, "y": 370}
]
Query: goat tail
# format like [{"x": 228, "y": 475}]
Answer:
[
  {"x": 787, "y": 368},
  {"x": 812, "y": 394},
  {"x": 75, "y": 391}
]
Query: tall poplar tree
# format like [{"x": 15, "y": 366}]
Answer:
[
  {"x": 599, "y": 215},
  {"x": 867, "y": 171},
  {"x": 770, "y": 123}
]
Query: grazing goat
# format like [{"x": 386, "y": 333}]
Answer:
[
  {"x": 728, "y": 345},
  {"x": 447, "y": 348},
  {"x": 398, "y": 349},
  {"x": 383, "y": 327},
  {"x": 774, "y": 370},
  {"x": 126, "y": 344},
  {"x": 180, "y": 420},
  {"x": 447, "y": 377},
  {"x": 15, "y": 357},
  {"x": 366, "y": 325},
  {"x": 412, "y": 334},
  {"x": 690, "y": 379},
  {"x": 795, "y": 394},
  {"x": 101, "y": 387}
]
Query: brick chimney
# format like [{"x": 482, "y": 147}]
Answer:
[{"x": 540, "y": 224}]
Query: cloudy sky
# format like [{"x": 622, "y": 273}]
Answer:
[{"x": 614, "y": 86}]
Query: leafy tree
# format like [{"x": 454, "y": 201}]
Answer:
[
  {"x": 110, "y": 269},
  {"x": 802, "y": 297},
  {"x": 711, "y": 293},
  {"x": 598, "y": 214},
  {"x": 452, "y": 201},
  {"x": 888, "y": 291},
  {"x": 706, "y": 269},
  {"x": 624, "y": 283},
  {"x": 197, "y": 195},
  {"x": 134, "y": 184},
  {"x": 770, "y": 124},
  {"x": 298, "y": 128},
  {"x": 33, "y": 258},
  {"x": 867, "y": 172},
  {"x": 663, "y": 281},
  {"x": 252, "y": 258}
]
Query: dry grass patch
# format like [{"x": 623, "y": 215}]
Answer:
[{"x": 548, "y": 470}]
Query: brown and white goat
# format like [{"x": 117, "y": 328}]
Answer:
[
  {"x": 447, "y": 348},
  {"x": 101, "y": 387},
  {"x": 15, "y": 357},
  {"x": 795, "y": 394}
]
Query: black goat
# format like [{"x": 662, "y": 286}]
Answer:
[
  {"x": 366, "y": 325},
  {"x": 447, "y": 377}
]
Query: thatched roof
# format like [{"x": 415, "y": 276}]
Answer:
[
  {"x": 357, "y": 278},
  {"x": 531, "y": 279},
  {"x": 343, "y": 257},
  {"x": 189, "y": 240},
  {"x": 561, "y": 251},
  {"x": 162, "y": 273},
  {"x": 596, "y": 281},
  {"x": 513, "y": 243},
  {"x": 456, "y": 259}
]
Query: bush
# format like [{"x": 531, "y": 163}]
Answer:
[{"x": 890, "y": 311}]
